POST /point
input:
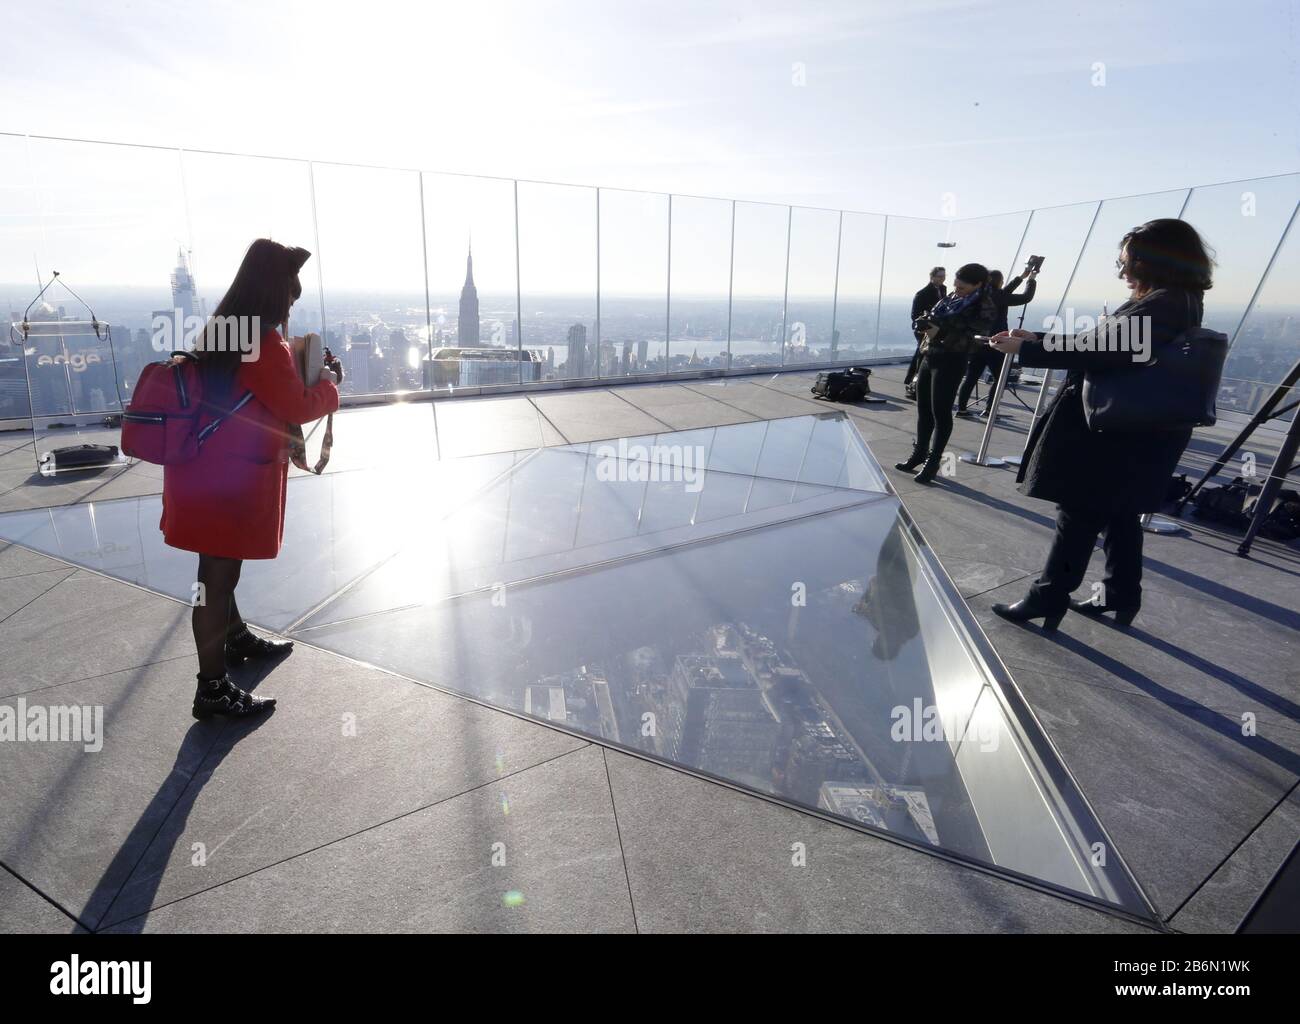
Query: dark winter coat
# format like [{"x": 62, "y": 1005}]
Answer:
[
  {"x": 956, "y": 334},
  {"x": 1069, "y": 464}
]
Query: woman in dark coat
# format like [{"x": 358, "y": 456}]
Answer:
[
  {"x": 949, "y": 338},
  {"x": 228, "y": 503},
  {"x": 1102, "y": 482}
]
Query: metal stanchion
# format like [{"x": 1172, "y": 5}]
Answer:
[
  {"x": 982, "y": 457},
  {"x": 1015, "y": 460}
]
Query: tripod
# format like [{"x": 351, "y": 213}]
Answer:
[{"x": 1283, "y": 465}]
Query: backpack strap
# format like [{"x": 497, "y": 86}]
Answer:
[{"x": 211, "y": 427}]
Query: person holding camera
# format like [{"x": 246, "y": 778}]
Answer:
[
  {"x": 922, "y": 302},
  {"x": 1103, "y": 482},
  {"x": 986, "y": 357},
  {"x": 227, "y": 504},
  {"x": 948, "y": 338}
]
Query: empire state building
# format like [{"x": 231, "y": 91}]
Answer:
[{"x": 467, "y": 325}]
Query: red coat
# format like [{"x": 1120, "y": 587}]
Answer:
[{"x": 229, "y": 501}]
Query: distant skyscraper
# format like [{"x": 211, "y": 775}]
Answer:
[
  {"x": 184, "y": 296},
  {"x": 577, "y": 361},
  {"x": 467, "y": 325}
]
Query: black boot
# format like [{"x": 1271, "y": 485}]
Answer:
[
  {"x": 1030, "y": 607},
  {"x": 1124, "y": 615},
  {"x": 930, "y": 470},
  {"x": 913, "y": 460},
  {"x": 243, "y": 645},
  {"x": 222, "y": 697}
]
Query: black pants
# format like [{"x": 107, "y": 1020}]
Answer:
[
  {"x": 937, "y": 379},
  {"x": 983, "y": 358},
  {"x": 1076, "y": 536},
  {"x": 911, "y": 367}
]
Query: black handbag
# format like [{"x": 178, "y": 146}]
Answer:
[{"x": 1175, "y": 390}]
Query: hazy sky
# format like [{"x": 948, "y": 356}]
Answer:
[
  {"x": 926, "y": 108},
  {"x": 902, "y": 102}
]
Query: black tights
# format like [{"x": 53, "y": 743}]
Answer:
[
  {"x": 937, "y": 380},
  {"x": 216, "y": 616}
]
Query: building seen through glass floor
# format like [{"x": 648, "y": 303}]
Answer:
[{"x": 749, "y": 602}]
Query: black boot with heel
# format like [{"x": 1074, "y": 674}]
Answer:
[
  {"x": 1124, "y": 614},
  {"x": 915, "y": 459},
  {"x": 1028, "y": 608}
]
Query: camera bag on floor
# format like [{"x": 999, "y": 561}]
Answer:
[
  {"x": 1225, "y": 505},
  {"x": 1282, "y": 521},
  {"x": 82, "y": 456},
  {"x": 851, "y": 385}
]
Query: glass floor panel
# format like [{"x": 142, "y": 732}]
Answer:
[{"x": 749, "y": 602}]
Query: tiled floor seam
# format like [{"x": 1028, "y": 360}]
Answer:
[
  {"x": 105, "y": 924},
  {"x": 645, "y": 412},
  {"x": 52, "y": 587},
  {"x": 44, "y": 897},
  {"x": 1233, "y": 852},
  {"x": 162, "y": 823},
  {"x": 532, "y": 401},
  {"x": 618, "y": 831}
]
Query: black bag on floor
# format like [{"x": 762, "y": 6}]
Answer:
[
  {"x": 851, "y": 385},
  {"x": 82, "y": 456},
  {"x": 1225, "y": 504},
  {"x": 1282, "y": 522}
]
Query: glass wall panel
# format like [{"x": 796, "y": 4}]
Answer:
[
  {"x": 810, "y": 308},
  {"x": 758, "y": 293},
  {"x": 473, "y": 296},
  {"x": 114, "y": 227},
  {"x": 1268, "y": 343},
  {"x": 20, "y": 255},
  {"x": 371, "y": 265},
  {"x": 1056, "y": 234},
  {"x": 857, "y": 299},
  {"x": 1097, "y": 286},
  {"x": 700, "y": 282},
  {"x": 633, "y": 283},
  {"x": 992, "y": 241},
  {"x": 557, "y": 276},
  {"x": 1242, "y": 222},
  {"x": 911, "y": 250},
  {"x": 231, "y": 201}
]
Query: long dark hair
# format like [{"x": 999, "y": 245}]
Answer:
[
  {"x": 1168, "y": 253},
  {"x": 265, "y": 286}
]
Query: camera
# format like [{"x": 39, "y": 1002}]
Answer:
[{"x": 1035, "y": 263}]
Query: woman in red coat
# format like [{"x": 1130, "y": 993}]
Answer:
[{"x": 228, "y": 503}]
